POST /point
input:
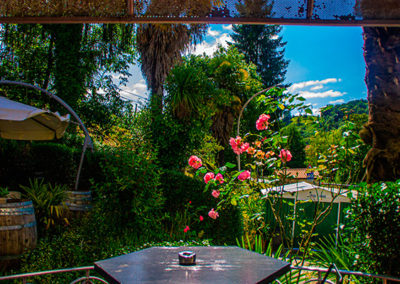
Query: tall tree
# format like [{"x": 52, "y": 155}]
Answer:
[
  {"x": 382, "y": 55},
  {"x": 261, "y": 44}
]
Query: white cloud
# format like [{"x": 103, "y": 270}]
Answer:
[
  {"x": 302, "y": 85},
  {"x": 136, "y": 91},
  {"x": 340, "y": 101},
  {"x": 326, "y": 94},
  {"x": 210, "y": 32},
  {"x": 210, "y": 48},
  {"x": 318, "y": 87},
  {"x": 274, "y": 37},
  {"x": 227, "y": 27},
  {"x": 316, "y": 111}
]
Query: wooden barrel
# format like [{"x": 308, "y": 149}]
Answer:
[
  {"x": 79, "y": 202},
  {"x": 17, "y": 230}
]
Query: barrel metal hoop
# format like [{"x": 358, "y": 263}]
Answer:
[
  {"x": 17, "y": 211},
  {"x": 70, "y": 198},
  {"x": 18, "y": 227},
  {"x": 79, "y": 192},
  {"x": 17, "y": 204},
  {"x": 77, "y": 207}
]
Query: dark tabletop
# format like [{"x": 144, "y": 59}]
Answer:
[{"x": 213, "y": 265}]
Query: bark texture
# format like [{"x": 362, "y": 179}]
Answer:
[{"x": 382, "y": 132}]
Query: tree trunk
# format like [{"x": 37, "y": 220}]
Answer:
[
  {"x": 69, "y": 80},
  {"x": 382, "y": 132}
]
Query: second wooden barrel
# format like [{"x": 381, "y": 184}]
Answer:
[
  {"x": 79, "y": 202},
  {"x": 18, "y": 231}
]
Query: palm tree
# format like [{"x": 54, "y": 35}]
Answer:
[
  {"x": 161, "y": 45},
  {"x": 188, "y": 90},
  {"x": 382, "y": 58}
]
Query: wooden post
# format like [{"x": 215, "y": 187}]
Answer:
[
  {"x": 130, "y": 7},
  {"x": 310, "y": 8}
]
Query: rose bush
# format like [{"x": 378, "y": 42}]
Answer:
[{"x": 231, "y": 187}]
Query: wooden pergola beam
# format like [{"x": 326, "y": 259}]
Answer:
[{"x": 206, "y": 20}]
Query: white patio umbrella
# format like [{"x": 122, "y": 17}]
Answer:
[
  {"x": 23, "y": 122},
  {"x": 43, "y": 118}
]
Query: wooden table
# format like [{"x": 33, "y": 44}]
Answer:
[{"x": 213, "y": 265}]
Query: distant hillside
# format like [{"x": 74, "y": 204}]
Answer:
[{"x": 332, "y": 116}]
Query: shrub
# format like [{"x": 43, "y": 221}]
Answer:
[
  {"x": 129, "y": 195},
  {"x": 375, "y": 224},
  {"x": 21, "y": 160},
  {"x": 15, "y": 163},
  {"x": 54, "y": 162}
]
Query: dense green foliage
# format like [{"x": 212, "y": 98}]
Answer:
[
  {"x": 129, "y": 195},
  {"x": 20, "y": 160},
  {"x": 74, "y": 61},
  {"x": 333, "y": 116},
  {"x": 375, "y": 225}
]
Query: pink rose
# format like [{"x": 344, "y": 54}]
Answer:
[
  {"x": 285, "y": 155},
  {"x": 213, "y": 214},
  {"x": 186, "y": 229},
  {"x": 236, "y": 144},
  {"x": 219, "y": 178},
  {"x": 201, "y": 218},
  {"x": 195, "y": 162},
  {"x": 244, "y": 147},
  {"x": 208, "y": 177},
  {"x": 215, "y": 193},
  {"x": 262, "y": 122},
  {"x": 244, "y": 175}
]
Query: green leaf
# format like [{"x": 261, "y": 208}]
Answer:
[
  {"x": 230, "y": 165},
  {"x": 202, "y": 170},
  {"x": 281, "y": 106},
  {"x": 309, "y": 111}
]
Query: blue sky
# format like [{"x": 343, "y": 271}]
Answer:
[{"x": 326, "y": 63}]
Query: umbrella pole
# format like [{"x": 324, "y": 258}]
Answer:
[{"x": 78, "y": 174}]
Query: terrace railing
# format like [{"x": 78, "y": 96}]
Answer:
[
  {"x": 87, "y": 279},
  {"x": 322, "y": 274}
]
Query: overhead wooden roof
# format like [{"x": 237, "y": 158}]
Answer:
[{"x": 309, "y": 12}]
